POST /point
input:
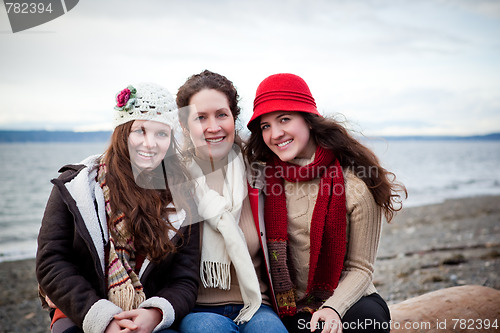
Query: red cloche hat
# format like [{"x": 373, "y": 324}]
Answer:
[{"x": 283, "y": 92}]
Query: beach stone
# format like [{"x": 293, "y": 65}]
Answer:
[{"x": 469, "y": 308}]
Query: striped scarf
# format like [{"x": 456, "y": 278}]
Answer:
[
  {"x": 328, "y": 231},
  {"x": 123, "y": 284}
]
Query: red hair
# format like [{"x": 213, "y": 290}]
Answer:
[{"x": 145, "y": 209}]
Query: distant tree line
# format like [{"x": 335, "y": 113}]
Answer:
[
  {"x": 53, "y": 136},
  {"x": 487, "y": 137},
  {"x": 103, "y": 136}
]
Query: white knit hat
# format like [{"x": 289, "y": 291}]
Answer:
[{"x": 146, "y": 101}]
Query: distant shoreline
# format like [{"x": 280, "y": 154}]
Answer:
[
  {"x": 12, "y": 136},
  {"x": 486, "y": 137}
]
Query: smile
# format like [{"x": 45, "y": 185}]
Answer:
[
  {"x": 144, "y": 154},
  {"x": 282, "y": 144},
  {"x": 215, "y": 140}
]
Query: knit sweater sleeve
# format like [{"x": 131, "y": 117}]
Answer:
[{"x": 364, "y": 219}]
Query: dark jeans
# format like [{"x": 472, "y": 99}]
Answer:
[{"x": 369, "y": 314}]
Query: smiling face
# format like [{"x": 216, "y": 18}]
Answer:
[
  {"x": 148, "y": 143},
  {"x": 287, "y": 135},
  {"x": 211, "y": 124}
]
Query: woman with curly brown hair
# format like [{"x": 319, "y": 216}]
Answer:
[
  {"x": 234, "y": 295},
  {"x": 116, "y": 249},
  {"x": 325, "y": 194}
]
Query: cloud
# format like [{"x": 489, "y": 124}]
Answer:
[
  {"x": 484, "y": 8},
  {"x": 377, "y": 62}
]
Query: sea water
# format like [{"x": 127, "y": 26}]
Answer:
[
  {"x": 432, "y": 171},
  {"x": 25, "y": 173}
]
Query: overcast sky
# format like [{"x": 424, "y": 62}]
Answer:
[{"x": 389, "y": 67}]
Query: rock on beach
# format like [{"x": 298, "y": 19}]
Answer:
[
  {"x": 469, "y": 308},
  {"x": 450, "y": 244}
]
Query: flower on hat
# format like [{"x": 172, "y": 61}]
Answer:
[{"x": 125, "y": 99}]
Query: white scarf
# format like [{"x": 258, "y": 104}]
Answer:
[{"x": 223, "y": 239}]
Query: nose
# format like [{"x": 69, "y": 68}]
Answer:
[
  {"x": 276, "y": 132},
  {"x": 149, "y": 140},
  {"x": 213, "y": 125}
]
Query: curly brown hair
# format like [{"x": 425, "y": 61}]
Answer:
[
  {"x": 353, "y": 155},
  {"x": 145, "y": 209}
]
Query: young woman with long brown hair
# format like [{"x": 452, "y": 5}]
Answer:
[
  {"x": 116, "y": 248},
  {"x": 325, "y": 194}
]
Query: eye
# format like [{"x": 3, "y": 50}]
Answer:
[
  {"x": 222, "y": 115},
  {"x": 139, "y": 131},
  {"x": 263, "y": 127},
  {"x": 284, "y": 119},
  {"x": 163, "y": 134},
  {"x": 199, "y": 118}
]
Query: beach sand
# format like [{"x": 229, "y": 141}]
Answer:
[
  {"x": 432, "y": 247},
  {"x": 423, "y": 249}
]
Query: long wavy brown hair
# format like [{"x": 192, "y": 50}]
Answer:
[
  {"x": 207, "y": 80},
  {"x": 145, "y": 209},
  {"x": 353, "y": 155}
]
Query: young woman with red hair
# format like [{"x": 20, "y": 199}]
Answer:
[{"x": 116, "y": 248}]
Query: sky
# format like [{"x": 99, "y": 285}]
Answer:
[{"x": 400, "y": 67}]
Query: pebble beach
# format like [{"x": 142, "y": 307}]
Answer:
[{"x": 423, "y": 249}]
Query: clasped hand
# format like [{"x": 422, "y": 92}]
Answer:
[{"x": 136, "y": 321}]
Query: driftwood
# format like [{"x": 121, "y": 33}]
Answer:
[{"x": 467, "y": 308}]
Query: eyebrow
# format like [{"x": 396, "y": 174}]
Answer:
[
  {"x": 278, "y": 116},
  {"x": 218, "y": 110},
  {"x": 197, "y": 114},
  {"x": 223, "y": 109},
  {"x": 283, "y": 114}
]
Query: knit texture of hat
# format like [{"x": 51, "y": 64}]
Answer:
[
  {"x": 283, "y": 92},
  {"x": 146, "y": 101}
]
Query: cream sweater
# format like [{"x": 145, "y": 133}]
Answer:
[
  {"x": 364, "y": 219},
  {"x": 216, "y": 296}
]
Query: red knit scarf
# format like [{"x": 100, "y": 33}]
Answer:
[{"x": 328, "y": 231}]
